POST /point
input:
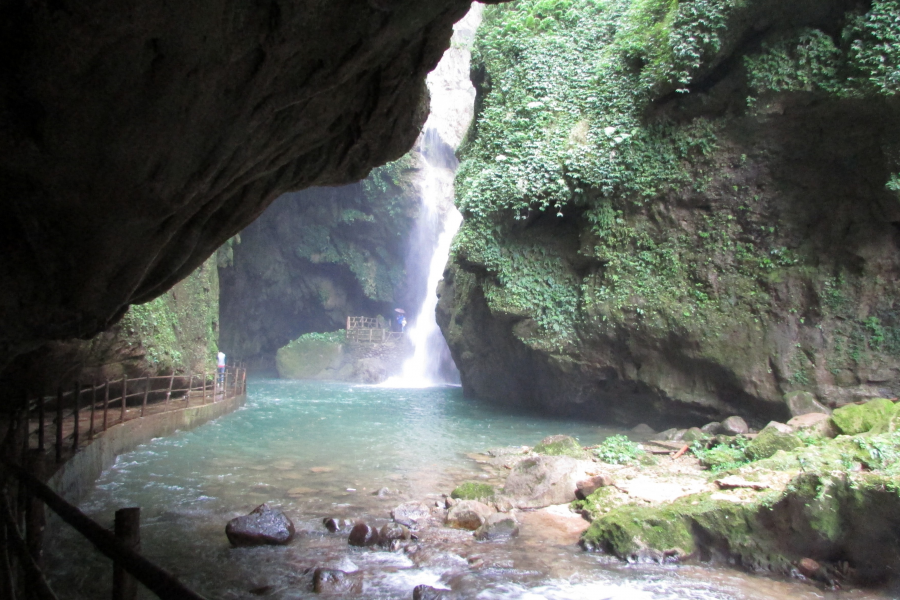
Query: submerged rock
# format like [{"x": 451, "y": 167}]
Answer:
[
  {"x": 261, "y": 527},
  {"x": 337, "y": 525},
  {"x": 426, "y": 592},
  {"x": 332, "y": 581},
  {"x": 498, "y": 526}
]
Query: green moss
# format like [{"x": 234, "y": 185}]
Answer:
[
  {"x": 178, "y": 331},
  {"x": 560, "y": 445},
  {"x": 473, "y": 490},
  {"x": 860, "y": 418},
  {"x": 769, "y": 441},
  {"x": 307, "y": 357}
]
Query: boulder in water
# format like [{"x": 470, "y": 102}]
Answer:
[
  {"x": 411, "y": 514},
  {"x": 337, "y": 525},
  {"x": 468, "y": 514},
  {"x": 332, "y": 581},
  {"x": 261, "y": 527},
  {"x": 363, "y": 534}
]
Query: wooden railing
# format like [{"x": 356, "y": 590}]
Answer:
[
  {"x": 88, "y": 410},
  {"x": 365, "y": 329}
]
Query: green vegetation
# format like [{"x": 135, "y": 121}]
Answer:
[
  {"x": 722, "y": 456},
  {"x": 179, "y": 330},
  {"x": 331, "y": 337},
  {"x": 311, "y": 356},
  {"x": 618, "y": 450},
  {"x": 473, "y": 490},
  {"x": 364, "y": 231},
  {"x": 560, "y": 445},
  {"x": 581, "y": 196}
]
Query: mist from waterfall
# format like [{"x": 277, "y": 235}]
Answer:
[{"x": 452, "y": 105}]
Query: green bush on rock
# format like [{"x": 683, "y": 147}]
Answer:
[{"x": 618, "y": 450}]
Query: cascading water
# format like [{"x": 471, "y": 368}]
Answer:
[{"x": 452, "y": 102}]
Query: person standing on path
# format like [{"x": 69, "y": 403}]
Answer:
[{"x": 221, "y": 364}]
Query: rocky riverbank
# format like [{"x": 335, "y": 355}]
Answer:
[{"x": 815, "y": 498}]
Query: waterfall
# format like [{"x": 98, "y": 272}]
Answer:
[{"x": 452, "y": 105}]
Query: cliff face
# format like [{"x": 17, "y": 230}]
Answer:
[
  {"x": 680, "y": 210},
  {"x": 316, "y": 257},
  {"x": 176, "y": 332},
  {"x": 135, "y": 139}
]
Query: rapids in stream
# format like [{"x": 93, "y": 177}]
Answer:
[{"x": 318, "y": 450}]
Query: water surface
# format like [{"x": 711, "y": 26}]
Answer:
[{"x": 320, "y": 450}]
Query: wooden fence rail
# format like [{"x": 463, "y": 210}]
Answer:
[{"x": 23, "y": 495}]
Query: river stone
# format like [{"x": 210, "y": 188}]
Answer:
[
  {"x": 774, "y": 437},
  {"x": 337, "y": 525},
  {"x": 643, "y": 429},
  {"x": 540, "y": 481},
  {"x": 814, "y": 423},
  {"x": 713, "y": 428},
  {"x": 668, "y": 435},
  {"x": 468, "y": 514},
  {"x": 586, "y": 487},
  {"x": 860, "y": 418},
  {"x": 393, "y": 531},
  {"x": 411, "y": 514},
  {"x": 498, "y": 526},
  {"x": 263, "y": 526},
  {"x": 426, "y": 592},
  {"x": 734, "y": 426},
  {"x": 560, "y": 445},
  {"x": 363, "y": 535},
  {"x": 332, "y": 581},
  {"x": 802, "y": 403}
]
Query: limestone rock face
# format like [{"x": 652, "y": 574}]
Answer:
[
  {"x": 588, "y": 280},
  {"x": 135, "y": 139}
]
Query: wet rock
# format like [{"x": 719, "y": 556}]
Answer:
[
  {"x": 861, "y": 418},
  {"x": 667, "y": 435},
  {"x": 818, "y": 424},
  {"x": 468, "y": 514},
  {"x": 802, "y": 403},
  {"x": 392, "y": 532},
  {"x": 734, "y": 426},
  {"x": 540, "y": 481},
  {"x": 383, "y": 492},
  {"x": 337, "y": 525},
  {"x": 426, "y": 592},
  {"x": 713, "y": 428},
  {"x": 560, "y": 445},
  {"x": 411, "y": 514},
  {"x": 363, "y": 535},
  {"x": 498, "y": 526},
  {"x": 643, "y": 429},
  {"x": 774, "y": 437},
  {"x": 586, "y": 487},
  {"x": 263, "y": 526},
  {"x": 332, "y": 581}
]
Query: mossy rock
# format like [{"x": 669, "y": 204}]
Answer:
[
  {"x": 308, "y": 359},
  {"x": 774, "y": 437},
  {"x": 473, "y": 490},
  {"x": 854, "y": 419},
  {"x": 722, "y": 457},
  {"x": 560, "y": 445}
]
